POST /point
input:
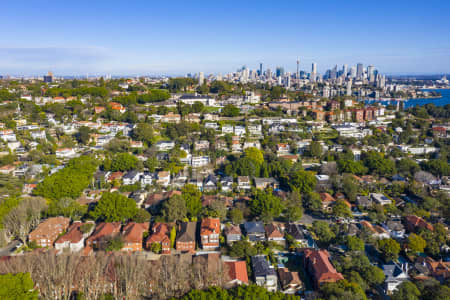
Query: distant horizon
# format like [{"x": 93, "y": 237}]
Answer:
[{"x": 176, "y": 38}]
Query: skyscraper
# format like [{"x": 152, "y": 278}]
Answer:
[
  {"x": 201, "y": 78},
  {"x": 279, "y": 71},
  {"x": 349, "y": 87},
  {"x": 260, "y": 69},
  {"x": 48, "y": 78},
  {"x": 314, "y": 68},
  {"x": 359, "y": 70},
  {"x": 371, "y": 73},
  {"x": 345, "y": 70},
  {"x": 353, "y": 72}
]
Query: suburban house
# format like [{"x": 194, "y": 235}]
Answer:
[
  {"x": 380, "y": 199},
  {"x": 131, "y": 177},
  {"x": 289, "y": 281},
  {"x": 210, "y": 183},
  {"x": 395, "y": 275},
  {"x": 327, "y": 201},
  {"x": 160, "y": 236},
  {"x": 263, "y": 183},
  {"x": 233, "y": 233},
  {"x": 264, "y": 273},
  {"x": 395, "y": 229},
  {"x": 236, "y": 273},
  {"x": 318, "y": 264},
  {"x": 255, "y": 231},
  {"x": 297, "y": 233},
  {"x": 209, "y": 233},
  {"x": 244, "y": 183},
  {"x": 48, "y": 231},
  {"x": 133, "y": 234},
  {"x": 186, "y": 237},
  {"x": 226, "y": 183},
  {"x": 74, "y": 238},
  {"x": 102, "y": 233},
  {"x": 414, "y": 223},
  {"x": 163, "y": 178},
  {"x": 273, "y": 233},
  {"x": 376, "y": 230}
]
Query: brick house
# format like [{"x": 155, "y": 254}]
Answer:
[
  {"x": 160, "y": 236},
  {"x": 186, "y": 237},
  {"x": 414, "y": 223},
  {"x": 133, "y": 234},
  {"x": 73, "y": 239},
  {"x": 318, "y": 264},
  {"x": 48, "y": 231},
  {"x": 102, "y": 233},
  {"x": 209, "y": 233},
  {"x": 236, "y": 273}
]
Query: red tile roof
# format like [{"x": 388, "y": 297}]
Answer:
[{"x": 237, "y": 270}]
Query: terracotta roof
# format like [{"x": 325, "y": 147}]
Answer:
[
  {"x": 210, "y": 226},
  {"x": 288, "y": 278},
  {"x": 104, "y": 230},
  {"x": 327, "y": 198},
  {"x": 133, "y": 232},
  {"x": 272, "y": 231},
  {"x": 237, "y": 270},
  {"x": 73, "y": 235},
  {"x": 418, "y": 222},
  {"x": 320, "y": 263},
  {"x": 233, "y": 230},
  {"x": 50, "y": 229}
]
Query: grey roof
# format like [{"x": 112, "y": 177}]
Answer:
[
  {"x": 132, "y": 174},
  {"x": 254, "y": 227},
  {"x": 187, "y": 232},
  {"x": 395, "y": 225},
  {"x": 261, "y": 266},
  {"x": 296, "y": 231},
  {"x": 392, "y": 271}
]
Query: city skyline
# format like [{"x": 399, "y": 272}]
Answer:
[{"x": 139, "y": 39}]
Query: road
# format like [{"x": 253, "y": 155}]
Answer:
[
  {"x": 308, "y": 219},
  {"x": 8, "y": 249}
]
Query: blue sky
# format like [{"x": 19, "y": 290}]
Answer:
[{"x": 177, "y": 37}]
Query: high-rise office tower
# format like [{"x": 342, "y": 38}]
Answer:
[
  {"x": 349, "y": 87},
  {"x": 359, "y": 70},
  {"x": 48, "y": 78},
  {"x": 314, "y": 68},
  {"x": 333, "y": 73},
  {"x": 201, "y": 78},
  {"x": 268, "y": 73},
  {"x": 279, "y": 71},
  {"x": 371, "y": 73},
  {"x": 345, "y": 70},
  {"x": 260, "y": 69},
  {"x": 353, "y": 72}
]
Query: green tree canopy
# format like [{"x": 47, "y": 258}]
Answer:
[
  {"x": 389, "y": 249},
  {"x": 114, "y": 207},
  {"x": 192, "y": 197},
  {"x": 17, "y": 286}
]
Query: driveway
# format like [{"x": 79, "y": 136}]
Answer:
[
  {"x": 308, "y": 219},
  {"x": 6, "y": 251}
]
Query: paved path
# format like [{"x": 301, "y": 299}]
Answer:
[{"x": 8, "y": 249}]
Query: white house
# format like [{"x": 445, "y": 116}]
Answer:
[
  {"x": 65, "y": 153},
  {"x": 165, "y": 145},
  {"x": 199, "y": 161}
]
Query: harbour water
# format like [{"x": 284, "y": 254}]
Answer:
[{"x": 442, "y": 101}]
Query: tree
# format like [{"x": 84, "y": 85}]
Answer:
[
  {"x": 389, "y": 249},
  {"x": 83, "y": 135},
  {"x": 143, "y": 132},
  {"x": 354, "y": 243},
  {"x": 242, "y": 248},
  {"x": 236, "y": 216},
  {"x": 142, "y": 216},
  {"x": 198, "y": 107},
  {"x": 24, "y": 217},
  {"x": 192, "y": 198},
  {"x": 121, "y": 162},
  {"x": 156, "y": 248},
  {"x": 323, "y": 231},
  {"x": 416, "y": 243},
  {"x": 378, "y": 164},
  {"x": 351, "y": 167},
  {"x": 114, "y": 207},
  {"x": 343, "y": 290},
  {"x": 315, "y": 149},
  {"x": 266, "y": 205},
  {"x": 114, "y": 244},
  {"x": 231, "y": 111},
  {"x": 406, "y": 290},
  {"x": 293, "y": 205},
  {"x": 67, "y": 207},
  {"x": 255, "y": 155},
  {"x": 174, "y": 209},
  {"x": 373, "y": 275},
  {"x": 17, "y": 286},
  {"x": 218, "y": 209},
  {"x": 350, "y": 188},
  {"x": 341, "y": 209},
  {"x": 303, "y": 181},
  {"x": 70, "y": 181},
  {"x": 313, "y": 201}
]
